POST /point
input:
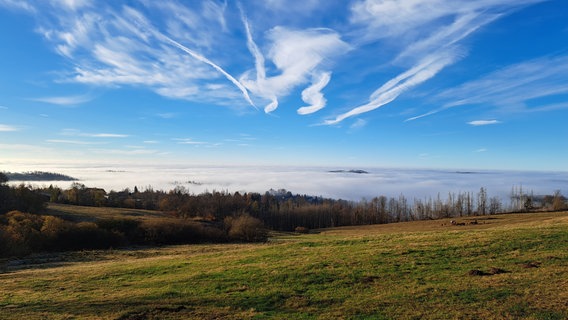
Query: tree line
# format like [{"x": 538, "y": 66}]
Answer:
[
  {"x": 25, "y": 228},
  {"x": 221, "y": 216},
  {"x": 284, "y": 211},
  {"x": 38, "y": 176}
]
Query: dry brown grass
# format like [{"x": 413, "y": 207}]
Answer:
[
  {"x": 483, "y": 222},
  {"x": 416, "y": 270},
  {"x": 81, "y": 213}
]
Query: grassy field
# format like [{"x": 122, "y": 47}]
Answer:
[
  {"x": 81, "y": 213},
  {"x": 504, "y": 267}
]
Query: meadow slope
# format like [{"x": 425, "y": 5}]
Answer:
[{"x": 504, "y": 267}]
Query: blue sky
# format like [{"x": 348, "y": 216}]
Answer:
[{"x": 417, "y": 84}]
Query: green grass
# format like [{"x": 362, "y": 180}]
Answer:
[{"x": 415, "y": 270}]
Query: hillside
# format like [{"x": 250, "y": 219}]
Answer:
[
  {"x": 504, "y": 267},
  {"x": 38, "y": 176},
  {"x": 84, "y": 213}
]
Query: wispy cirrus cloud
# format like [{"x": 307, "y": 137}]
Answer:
[
  {"x": 130, "y": 49},
  {"x": 297, "y": 55},
  {"x": 411, "y": 19},
  {"x": 358, "y": 124},
  {"x": 513, "y": 88},
  {"x": 242, "y": 140},
  {"x": 313, "y": 94},
  {"x": 195, "y": 50},
  {"x": 8, "y": 128},
  {"x": 78, "y": 133},
  {"x": 125, "y": 152},
  {"x": 302, "y": 7},
  {"x": 388, "y": 92},
  {"x": 477, "y": 123},
  {"x": 431, "y": 29},
  {"x": 215, "y": 66},
  {"x": 189, "y": 141},
  {"x": 200, "y": 25},
  {"x": 17, "y": 5},
  {"x": 64, "y": 100},
  {"x": 105, "y": 135},
  {"x": 72, "y": 142}
]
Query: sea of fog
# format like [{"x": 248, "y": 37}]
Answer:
[{"x": 317, "y": 181}]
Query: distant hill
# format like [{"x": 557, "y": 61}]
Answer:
[
  {"x": 349, "y": 171},
  {"x": 38, "y": 176}
]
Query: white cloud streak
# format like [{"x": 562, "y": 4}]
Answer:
[
  {"x": 410, "y": 18},
  {"x": 296, "y": 54},
  {"x": 215, "y": 66},
  {"x": 189, "y": 141},
  {"x": 185, "y": 50},
  {"x": 78, "y": 133},
  {"x": 106, "y": 135},
  {"x": 360, "y": 123},
  {"x": 64, "y": 101},
  {"x": 259, "y": 66},
  {"x": 131, "y": 152},
  {"x": 17, "y": 5},
  {"x": 313, "y": 95},
  {"x": 421, "y": 30},
  {"x": 200, "y": 27},
  {"x": 387, "y": 93},
  {"x": 113, "y": 47},
  {"x": 8, "y": 128},
  {"x": 75, "y": 142},
  {"x": 477, "y": 123},
  {"x": 511, "y": 89}
]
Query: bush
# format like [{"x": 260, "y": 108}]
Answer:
[
  {"x": 245, "y": 228},
  {"x": 129, "y": 228},
  {"x": 87, "y": 235},
  {"x": 179, "y": 232},
  {"x": 24, "y": 233},
  {"x": 302, "y": 230}
]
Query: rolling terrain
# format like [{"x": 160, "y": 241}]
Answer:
[{"x": 504, "y": 267}]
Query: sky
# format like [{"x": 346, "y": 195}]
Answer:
[{"x": 442, "y": 84}]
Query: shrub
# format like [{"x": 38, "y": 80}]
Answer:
[
  {"x": 179, "y": 232},
  {"x": 302, "y": 230},
  {"x": 129, "y": 228},
  {"x": 51, "y": 231},
  {"x": 23, "y": 232},
  {"x": 245, "y": 228},
  {"x": 87, "y": 235}
]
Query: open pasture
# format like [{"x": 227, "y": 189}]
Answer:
[{"x": 503, "y": 267}]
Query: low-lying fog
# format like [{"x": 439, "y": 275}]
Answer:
[{"x": 340, "y": 184}]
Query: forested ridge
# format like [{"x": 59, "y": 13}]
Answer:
[{"x": 38, "y": 176}]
